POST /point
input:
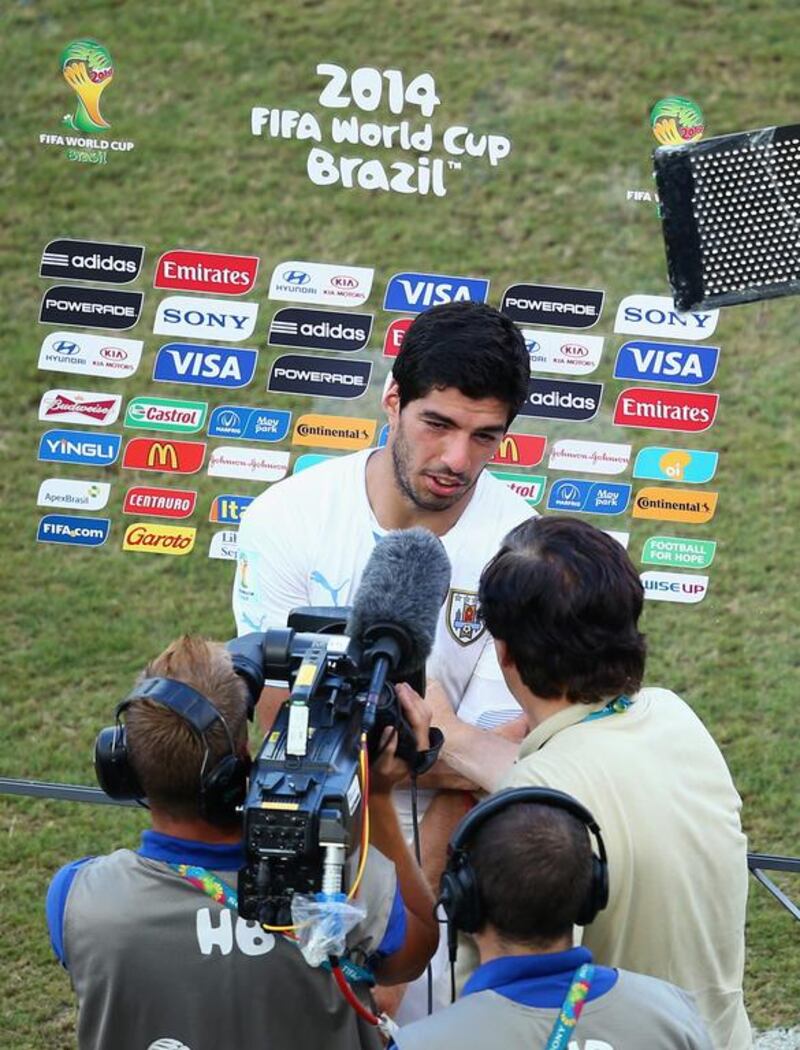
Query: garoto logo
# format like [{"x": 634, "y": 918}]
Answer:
[
  {"x": 90, "y": 355},
  {"x": 639, "y": 406},
  {"x": 320, "y": 330},
  {"x": 205, "y": 365},
  {"x": 90, "y": 307},
  {"x": 588, "y": 497},
  {"x": 249, "y": 424},
  {"x": 206, "y": 318},
  {"x": 415, "y": 292},
  {"x": 666, "y": 363},
  {"x": 76, "y": 446},
  {"x": 146, "y": 538},
  {"x": 228, "y": 509},
  {"x": 320, "y": 377},
  {"x": 92, "y": 261},
  {"x": 554, "y": 399},
  {"x": 168, "y": 457},
  {"x": 189, "y": 271},
  {"x": 552, "y": 306},
  {"x": 73, "y": 530}
]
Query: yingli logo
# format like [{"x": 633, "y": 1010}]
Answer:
[
  {"x": 665, "y": 409},
  {"x": 169, "y": 457}
]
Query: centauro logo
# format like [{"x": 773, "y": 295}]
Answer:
[
  {"x": 159, "y": 539},
  {"x": 659, "y": 504},
  {"x": 334, "y": 432}
]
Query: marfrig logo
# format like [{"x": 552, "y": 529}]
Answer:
[
  {"x": 169, "y": 457},
  {"x": 656, "y": 315},
  {"x": 206, "y": 318},
  {"x": 189, "y": 271},
  {"x": 666, "y": 363},
  {"x": 92, "y": 261},
  {"x": 205, "y": 365},
  {"x": 665, "y": 409},
  {"x": 415, "y": 292}
]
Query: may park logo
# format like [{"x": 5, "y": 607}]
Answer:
[{"x": 87, "y": 67}]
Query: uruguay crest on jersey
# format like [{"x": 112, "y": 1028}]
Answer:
[{"x": 464, "y": 619}]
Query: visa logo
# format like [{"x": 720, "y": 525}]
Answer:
[
  {"x": 415, "y": 292},
  {"x": 76, "y": 446},
  {"x": 667, "y": 363},
  {"x": 204, "y": 365}
]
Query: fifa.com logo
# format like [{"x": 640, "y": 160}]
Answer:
[{"x": 87, "y": 67}]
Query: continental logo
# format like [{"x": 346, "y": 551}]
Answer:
[
  {"x": 520, "y": 450},
  {"x": 660, "y": 504},
  {"x": 148, "y": 538},
  {"x": 170, "y": 457},
  {"x": 334, "y": 432}
]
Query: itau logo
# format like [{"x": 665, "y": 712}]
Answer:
[{"x": 88, "y": 69}]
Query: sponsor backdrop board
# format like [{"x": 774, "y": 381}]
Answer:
[{"x": 210, "y": 276}]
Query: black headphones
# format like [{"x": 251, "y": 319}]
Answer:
[
  {"x": 459, "y": 894},
  {"x": 221, "y": 789}
]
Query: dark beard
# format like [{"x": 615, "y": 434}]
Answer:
[{"x": 403, "y": 482}]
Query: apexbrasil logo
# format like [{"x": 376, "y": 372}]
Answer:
[{"x": 88, "y": 69}]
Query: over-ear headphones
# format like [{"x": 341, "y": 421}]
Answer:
[
  {"x": 459, "y": 893},
  {"x": 221, "y": 789}
]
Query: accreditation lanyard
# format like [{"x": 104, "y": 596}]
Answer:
[
  {"x": 617, "y": 706},
  {"x": 219, "y": 890},
  {"x": 571, "y": 1008}
]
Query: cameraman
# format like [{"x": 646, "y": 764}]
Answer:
[
  {"x": 521, "y": 874},
  {"x": 562, "y": 600},
  {"x": 151, "y": 938}
]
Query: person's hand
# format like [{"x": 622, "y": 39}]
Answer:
[
  {"x": 441, "y": 710},
  {"x": 418, "y": 713},
  {"x": 516, "y": 730},
  {"x": 387, "y": 769}
]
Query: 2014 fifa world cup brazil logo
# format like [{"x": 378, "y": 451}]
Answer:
[
  {"x": 88, "y": 69},
  {"x": 676, "y": 121}
]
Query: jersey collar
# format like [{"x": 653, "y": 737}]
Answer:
[
  {"x": 538, "y": 980},
  {"x": 172, "y": 850}
]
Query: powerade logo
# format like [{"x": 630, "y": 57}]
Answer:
[
  {"x": 90, "y": 307},
  {"x": 415, "y": 292},
  {"x": 73, "y": 530},
  {"x": 249, "y": 424},
  {"x": 667, "y": 363},
  {"x": 656, "y": 315},
  {"x": 92, "y": 261},
  {"x": 588, "y": 497},
  {"x": 553, "y": 306},
  {"x": 76, "y": 446},
  {"x": 228, "y": 509},
  {"x": 206, "y": 318},
  {"x": 554, "y": 399},
  {"x": 689, "y": 465},
  {"x": 321, "y": 377},
  {"x": 320, "y": 330},
  {"x": 205, "y": 365}
]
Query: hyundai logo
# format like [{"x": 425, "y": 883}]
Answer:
[
  {"x": 532, "y": 346},
  {"x": 65, "y": 347},
  {"x": 296, "y": 277}
]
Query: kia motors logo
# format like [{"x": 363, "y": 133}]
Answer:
[
  {"x": 189, "y": 271},
  {"x": 92, "y": 261},
  {"x": 76, "y": 446},
  {"x": 90, "y": 355},
  {"x": 202, "y": 365},
  {"x": 665, "y": 409},
  {"x": 80, "y": 406},
  {"x": 520, "y": 450},
  {"x": 206, "y": 318},
  {"x": 322, "y": 283},
  {"x": 553, "y": 399},
  {"x": 249, "y": 424},
  {"x": 250, "y": 464},
  {"x": 169, "y": 457},
  {"x": 588, "y": 497},
  {"x": 552, "y": 306},
  {"x": 656, "y": 315},
  {"x": 147, "y": 538},
  {"x": 415, "y": 292},
  {"x": 160, "y": 503},
  {"x": 687, "y": 588},
  {"x": 66, "y": 304},
  {"x": 551, "y": 352},
  {"x": 73, "y": 530},
  {"x": 666, "y": 363},
  {"x": 319, "y": 377},
  {"x": 320, "y": 330}
]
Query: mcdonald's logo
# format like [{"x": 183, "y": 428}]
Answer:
[
  {"x": 168, "y": 457},
  {"x": 520, "y": 450}
]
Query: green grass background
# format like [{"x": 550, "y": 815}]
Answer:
[{"x": 571, "y": 84}]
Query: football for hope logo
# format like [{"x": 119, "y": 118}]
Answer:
[
  {"x": 189, "y": 271},
  {"x": 232, "y": 322},
  {"x": 678, "y": 553},
  {"x": 665, "y": 409},
  {"x": 145, "y": 537}
]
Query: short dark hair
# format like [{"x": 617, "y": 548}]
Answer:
[
  {"x": 166, "y": 752},
  {"x": 466, "y": 345},
  {"x": 533, "y": 866},
  {"x": 566, "y": 599}
]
